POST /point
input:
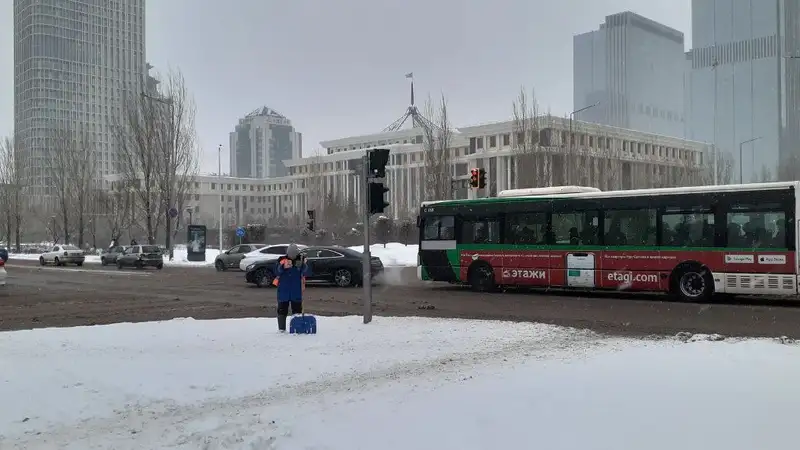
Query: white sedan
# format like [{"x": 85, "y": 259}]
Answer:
[
  {"x": 268, "y": 252},
  {"x": 3, "y": 273},
  {"x": 63, "y": 254}
]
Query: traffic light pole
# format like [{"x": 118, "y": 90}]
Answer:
[{"x": 366, "y": 268}]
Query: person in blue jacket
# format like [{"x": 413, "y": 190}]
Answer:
[{"x": 291, "y": 272}]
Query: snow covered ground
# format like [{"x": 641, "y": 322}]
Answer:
[
  {"x": 394, "y": 255},
  {"x": 398, "y": 383}
]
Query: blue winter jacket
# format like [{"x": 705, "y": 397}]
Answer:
[{"x": 290, "y": 281}]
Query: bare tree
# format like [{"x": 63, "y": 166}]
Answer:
[
  {"x": 764, "y": 176},
  {"x": 528, "y": 159},
  {"x": 72, "y": 170},
  {"x": 437, "y": 153},
  {"x": 789, "y": 168},
  {"x": 158, "y": 152},
  {"x": 724, "y": 169},
  {"x": 177, "y": 153},
  {"x": 12, "y": 188}
]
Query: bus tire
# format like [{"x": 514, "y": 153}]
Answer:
[
  {"x": 480, "y": 277},
  {"x": 692, "y": 282}
]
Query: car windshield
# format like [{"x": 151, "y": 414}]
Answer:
[
  {"x": 70, "y": 247},
  {"x": 150, "y": 249}
]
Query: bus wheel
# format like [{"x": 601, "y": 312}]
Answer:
[
  {"x": 692, "y": 284},
  {"x": 481, "y": 277}
]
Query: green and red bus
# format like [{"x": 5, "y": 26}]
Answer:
[{"x": 692, "y": 242}]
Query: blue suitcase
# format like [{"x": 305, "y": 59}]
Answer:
[{"x": 303, "y": 324}]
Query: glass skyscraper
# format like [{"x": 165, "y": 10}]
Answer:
[
  {"x": 632, "y": 68},
  {"x": 74, "y": 63},
  {"x": 742, "y": 84}
]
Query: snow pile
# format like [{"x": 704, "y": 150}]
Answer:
[
  {"x": 178, "y": 255},
  {"x": 394, "y": 255},
  {"x": 397, "y": 383}
]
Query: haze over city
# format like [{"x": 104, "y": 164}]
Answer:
[{"x": 336, "y": 68}]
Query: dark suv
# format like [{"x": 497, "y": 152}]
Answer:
[{"x": 141, "y": 256}]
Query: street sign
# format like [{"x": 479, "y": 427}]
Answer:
[
  {"x": 240, "y": 232},
  {"x": 173, "y": 212}
]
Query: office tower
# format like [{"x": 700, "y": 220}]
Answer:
[
  {"x": 744, "y": 84},
  {"x": 74, "y": 63},
  {"x": 261, "y": 142},
  {"x": 631, "y": 68}
]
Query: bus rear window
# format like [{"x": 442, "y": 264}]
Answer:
[{"x": 438, "y": 228}]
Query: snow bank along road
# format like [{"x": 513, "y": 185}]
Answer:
[{"x": 43, "y": 297}]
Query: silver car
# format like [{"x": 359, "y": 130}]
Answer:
[
  {"x": 232, "y": 257},
  {"x": 63, "y": 254}
]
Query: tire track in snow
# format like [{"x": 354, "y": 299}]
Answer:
[{"x": 172, "y": 424}]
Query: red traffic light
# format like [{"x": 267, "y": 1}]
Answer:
[{"x": 473, "y": 181}]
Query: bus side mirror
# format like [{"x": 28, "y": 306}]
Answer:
[{"x": 419, "y": 222}]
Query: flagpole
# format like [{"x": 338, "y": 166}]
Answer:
[{"x": 410, "y": 76}]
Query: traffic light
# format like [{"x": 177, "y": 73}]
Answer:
[
  {"x": 378, "y": 159},
  {"x": 481, "y": 179},
  {"x": 473, "y": 180},
  {"x": 310, "y": 223},
  {"x": 377, "y": 204}
]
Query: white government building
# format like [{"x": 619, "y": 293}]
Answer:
[{"x": 616, "y": 158}]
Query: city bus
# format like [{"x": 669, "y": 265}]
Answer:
[{"x": 691, "y": 242}]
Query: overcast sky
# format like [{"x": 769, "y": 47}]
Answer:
[{"x": 336, "y": 67}]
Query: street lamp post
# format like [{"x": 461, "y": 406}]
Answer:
[
  {"x": 741, "y": 159},
  {"x": 190, "y": 211},
  {"x": 571, "y": 115},
  {"x": 219, "y": 173}
]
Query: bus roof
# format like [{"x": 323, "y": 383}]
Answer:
[{"x": 626, "y": 193}]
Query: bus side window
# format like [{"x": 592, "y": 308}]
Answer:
[
  {"x": 526, "y": 229},
  {"x": 681, "y": 228},
  {"x": 757, "y": 226},
  {"x": 480, "y": 231},
  {"x": 438, "y": 228},
  {"x": 578, "y": 228},
  {"x": 630, "y": 227}
]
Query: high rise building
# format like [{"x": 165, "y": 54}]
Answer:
[
  {"x": 74, "y": 63},
  {"x": 261, "y": 142},
  {"x": 743, "y": 82},
  {"x": 631, "y": 68}
]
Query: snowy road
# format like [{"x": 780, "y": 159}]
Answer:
[{"x": 38, "y": 298}]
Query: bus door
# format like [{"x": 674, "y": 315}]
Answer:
[
  {"x": 574, "y": 261},
  {"x": 438, "y": 259}
]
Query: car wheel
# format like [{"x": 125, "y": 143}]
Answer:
[
  {"x": 139, "y": 265},
  {"x": 103, "y": 261},
  {"x": 263, "y": 277},
  {"x": 56, "y": 261},
  {"x": 79, "y": 264},
  {"x": 119, "y": 265},
  {"x": 160, "y": 266},
  {"x": 220, "y": 266},
  {"x": 343, "y": 278},
  {"x": 41, "y": 261}
]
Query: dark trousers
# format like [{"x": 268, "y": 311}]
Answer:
[{"x": 283, "y": 311}]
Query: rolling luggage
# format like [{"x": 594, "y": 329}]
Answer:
[{"x": 303, "y": 324}]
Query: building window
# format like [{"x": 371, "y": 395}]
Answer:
[{"x": 492, "y": 141}]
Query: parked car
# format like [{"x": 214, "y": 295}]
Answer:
[
  {"x": 232, "y": 257},
  {"x": 269, "y": 252},
  {"x": 62, "y": 255},
  {"x": 141, "y": 256},
  {"x": 109, "y": 256},
  {"x": 330, "y": 264},
  {"x": 4, "y": 254}
]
